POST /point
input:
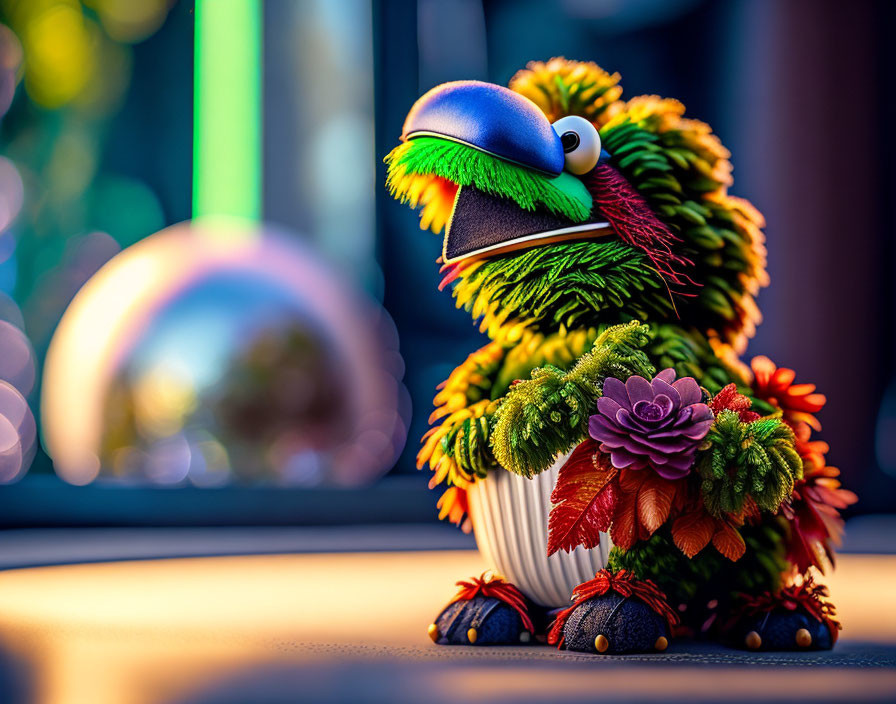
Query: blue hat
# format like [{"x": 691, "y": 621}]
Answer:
[{"x": 490, "y": 118}]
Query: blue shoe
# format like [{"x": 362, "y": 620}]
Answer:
[
  {"x": 614, "y": 624},
  {"x": 486, "y": 611},
  {"x": 782, "y": 629},
  {"x": 614, "y": 613},
  {"x": 797, "y": 617}
]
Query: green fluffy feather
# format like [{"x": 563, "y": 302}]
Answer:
[
  {"x": 468, "y": 445},
  {"x": 572, "y": 284},
  {"x": 548, "y": 414},
  {"x": 564, "y": 195},
  {"x": 748, "y": 459},
  {"x": 687, "y": 352},
  {"x": 671, "y": 177}
]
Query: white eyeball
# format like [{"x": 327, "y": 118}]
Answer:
[{"x": 581, "y": 143}]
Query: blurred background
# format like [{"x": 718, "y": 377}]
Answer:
[{"x": 253, "y": 375}]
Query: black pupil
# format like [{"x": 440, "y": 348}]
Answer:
[{"x": 569, "y": 140}]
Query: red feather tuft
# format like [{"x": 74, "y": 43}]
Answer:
[
  {"x": 635, "y": 223},
  {"x": 729, "y": 400},
  {"x": 584, "y": 499}
]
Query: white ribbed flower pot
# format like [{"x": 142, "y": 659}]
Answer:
[{"x": 510, "y": 520}]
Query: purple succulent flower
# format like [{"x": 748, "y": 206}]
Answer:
[{"x": 656, "y": 424}]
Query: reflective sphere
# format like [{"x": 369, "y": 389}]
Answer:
[{"x": 214, "y": 352}]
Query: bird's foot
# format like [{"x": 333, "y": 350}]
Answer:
[
  {"x": 614, "y": 614},
  {"x": 486, "y": 611}
]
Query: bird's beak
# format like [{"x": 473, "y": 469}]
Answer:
[{"x": 512, "y": 129}]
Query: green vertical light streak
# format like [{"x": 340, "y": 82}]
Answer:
[{"x": 227, "y": 109}]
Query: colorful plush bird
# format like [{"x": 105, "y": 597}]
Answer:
[{"x": 595, "y": 242}]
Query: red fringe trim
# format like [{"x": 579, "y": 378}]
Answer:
[
  {"x": 499, "y": 589},
  {"x": 635, "y": 223},
  {"x": 808, "y": 595},
  {"x": 624, "y": 584}
]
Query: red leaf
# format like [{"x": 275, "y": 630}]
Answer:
[
  {"x": 623, "y": 533},
  {"x": 655, "y": 502},
  {"x": 692, "y": 531},
  {"x": 631, "y": 480},
  {"x": 729, "y": 542},
  {"x": 583, "y": 498}
]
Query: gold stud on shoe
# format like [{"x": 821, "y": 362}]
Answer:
[
  {"x": 753, "y": 640},
  {"x": 472, "y": 635},
  {"x": 601, "y": 643},
  {"x": 803, "y": 638},
  {"x": 661, "y": 643},
  {"x": 525, "y": 637},
  {"x": 433, "y": 632}
]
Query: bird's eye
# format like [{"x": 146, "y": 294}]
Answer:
[{"x": 581, "y": 143}]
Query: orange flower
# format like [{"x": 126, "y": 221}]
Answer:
[
  {"x": 812, "y": 452},
  {"x": 453, "y": 506},
  {"x": 775, "y": 385}
]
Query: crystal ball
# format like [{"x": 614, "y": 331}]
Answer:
[{"x": 218, "y": 352}]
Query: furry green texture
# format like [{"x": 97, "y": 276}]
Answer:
[
  {"x": 671, "y": 174},
  {"x": 468, "y": 444},
  {"x": 571, "y": 284},
  {"x": 564, "y": 195},
  {"x": 688, "y": 352},
  {"x": 708, "y": 575},
  {"x": 755, "y": 459},
  {"x": 548, "y": 414}
]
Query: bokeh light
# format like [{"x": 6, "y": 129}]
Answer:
[
  {"x": 218, "y": 352},
  {"x": 11, "y": 460},
  {"x": 10, "y": 311},
  {"x": 129, "y": 21},
  {"x": 16, "y": 358},
  {"x": 67, "y": 45},
  {"x": 62, "y": 276},
  {"x": 10, "y": 65},
  {"x": 125, "y": 206},
  {"x": 12, "y": 193},
  {"x": 18, "y": 431},
  {"x": 15, "y": 411},
  {"x": 58, "y": 43}
]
